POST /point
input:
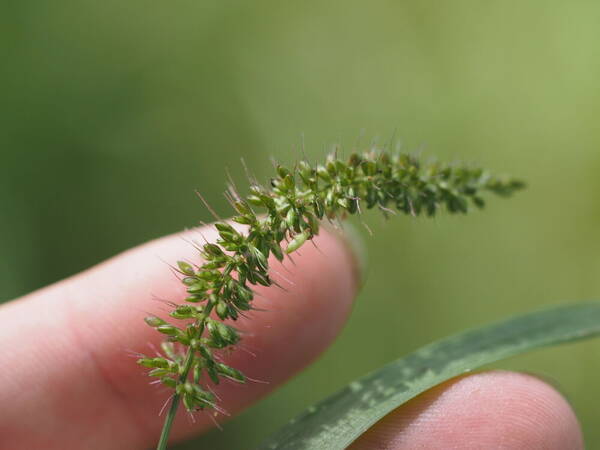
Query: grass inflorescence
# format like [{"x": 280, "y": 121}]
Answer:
[{"x": 279, "y": 219}]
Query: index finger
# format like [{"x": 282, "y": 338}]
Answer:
[{"x": 67, "y": 373}]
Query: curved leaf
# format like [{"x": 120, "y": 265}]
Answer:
[{"x": 337, "y": 421}]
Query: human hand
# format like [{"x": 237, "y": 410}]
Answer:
[{"x": 68, "y": 383}]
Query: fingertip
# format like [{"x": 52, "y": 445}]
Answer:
[
  {"x": 293, "y": 322},
  {"x": 486, "y": 410}
]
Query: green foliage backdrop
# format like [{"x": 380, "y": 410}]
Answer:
[{"x": 112, "y": 113}]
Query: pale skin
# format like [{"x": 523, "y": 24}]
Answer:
[{"x": 69, "y": 381}]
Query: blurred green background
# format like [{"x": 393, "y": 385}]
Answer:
[{"x": 113, "y": 112}]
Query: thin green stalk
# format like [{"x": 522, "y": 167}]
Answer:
[
  {"x": 170, "y": 417},
  {"x": 166, "y": 430}
]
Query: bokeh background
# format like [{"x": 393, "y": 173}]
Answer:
[{"x": 113, "y": 112}]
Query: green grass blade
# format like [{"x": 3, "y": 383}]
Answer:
[{"x": 337, "y": 421}]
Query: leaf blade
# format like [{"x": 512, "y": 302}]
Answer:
[{"x": 340, "y": 419}]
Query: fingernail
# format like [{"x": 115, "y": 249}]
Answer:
[{"x": 355, "y": 244}]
